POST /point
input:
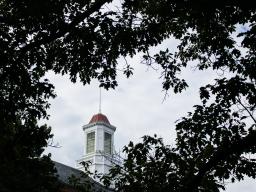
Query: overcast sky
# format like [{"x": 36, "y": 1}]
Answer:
[{"x": 135, "y": 107}]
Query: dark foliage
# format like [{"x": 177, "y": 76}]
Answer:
[
  {"x": 84, "y": 39},
  {"x": 214, "y": 142}
]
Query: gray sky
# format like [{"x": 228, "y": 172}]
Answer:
[{"x": 135, "y": 107}]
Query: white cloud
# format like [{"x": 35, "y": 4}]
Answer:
[{"x": 135, "y": 108}]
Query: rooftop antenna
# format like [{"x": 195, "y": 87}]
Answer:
[{"x": 100, "y": 102}]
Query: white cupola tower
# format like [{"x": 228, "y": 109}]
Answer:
[{"x": 99, "y": 144}]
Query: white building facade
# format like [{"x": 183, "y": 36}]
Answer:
[{"x": 99, "y": 144}]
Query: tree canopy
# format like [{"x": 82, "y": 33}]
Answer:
[{"x": 85, "y": 39}]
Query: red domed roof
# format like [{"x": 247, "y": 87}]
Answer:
[{"x": 99, "y": 118}]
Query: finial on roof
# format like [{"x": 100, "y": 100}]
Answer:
[{"x": 100, "y": 102}]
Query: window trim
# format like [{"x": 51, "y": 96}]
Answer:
[
  {"x": 110, "y": 144},
  {"x": 87, "y": 142}
]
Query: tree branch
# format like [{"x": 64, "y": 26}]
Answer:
[
  {"x": 236, "y": 147},
  {"x": 245, "y": 108},
  {"x": 65, "y": 28}
]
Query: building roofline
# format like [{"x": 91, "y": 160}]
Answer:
[{"x": 99, "y": 123}]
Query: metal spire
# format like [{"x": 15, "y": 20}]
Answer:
[{"x": 100, "y": 102}]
